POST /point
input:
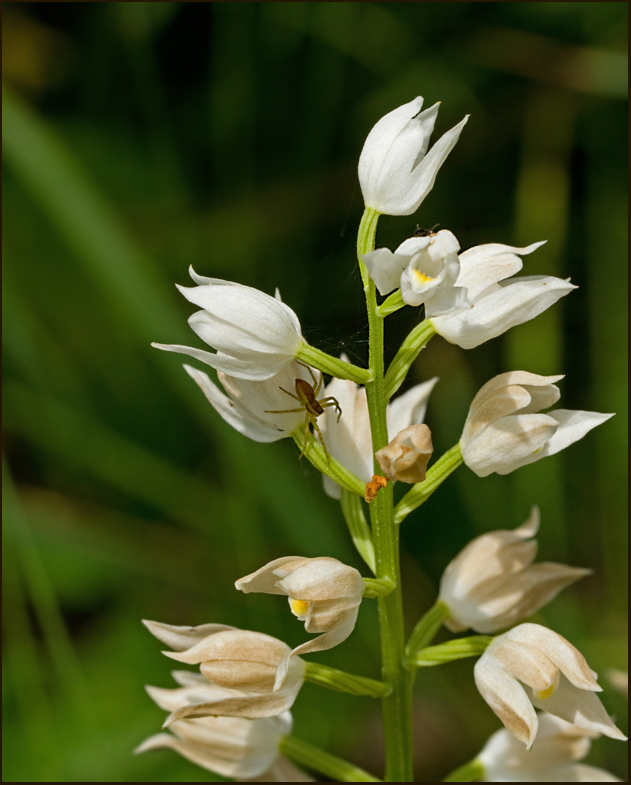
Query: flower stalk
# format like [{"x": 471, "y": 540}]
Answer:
[
  {"x": 470, "y": 772},
  {"x": 421, "y": 491},
  {"x": 426, "y": 629},
  {"x": 345, "y": 682},
  {"x": 397, "y": 707},
  {"x": 458, "y": 649},
  {"x": 358, "y": 527},
  {"x": 333, "y": 366},
  {"x": 314, "y": 758},
  {"x": 410, "y": 349}
]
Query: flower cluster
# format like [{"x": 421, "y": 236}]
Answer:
[{"x": 233, "y": 715}]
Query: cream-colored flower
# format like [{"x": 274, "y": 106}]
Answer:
[
  {"x": 240, "y": 663},
  {"x": 553, "y": 756},
  {"x": 493, "y": 583},
  {"x": 505, "y": 428},
  {"x": 406, "y": 457},
  {"x": 350, "y": 441},
  {"x": 246, "y": 750},
  {"x": 322, "y": 592},
  {"x": 531, "y": 666}
]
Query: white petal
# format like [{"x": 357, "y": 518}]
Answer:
[
  {"x": 514, "y": 303},
  {"x": 385, "y": 268},
  {"x": 266, "y": 578},
  {"x": 506, "y": 697},
  {"x": 409, "y": 408},
  {"x": 502, "y": 444},
  {"x": 181, "y": 638},
  {"x": 573, "y": 425},
  {"x": 425, "y": 173},
  {"x": 232, "y": 412},
  {"x": 485, "y": 265},
  {"x": 580, "y": 707}
]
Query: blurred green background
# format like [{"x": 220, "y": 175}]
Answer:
[{"x": 140, "y": 138}]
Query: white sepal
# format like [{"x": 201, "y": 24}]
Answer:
[
  {"x": 395, "y": 170},
  {"x": 255, "y": 335}
]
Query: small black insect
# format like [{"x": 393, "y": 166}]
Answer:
[{"x": 418, "y": 232}]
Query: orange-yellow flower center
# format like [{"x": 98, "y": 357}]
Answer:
[
  {"x": 549, "y": 691},
  {"x": 298, "y": 607},
  {"x": 422, "y": 278}
]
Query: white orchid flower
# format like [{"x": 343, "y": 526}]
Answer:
[
  {"x": 322, "y": 592},
  {"x": 240, "y": 663},
  {"x": 426, "y": 269},
  {"x": 505, "y": 429},
  {"x": 349, "y": 441},
  {"x": 249, "y": 405},
  {"x": 493, "y": 583},
  {"x": 245, "y": 750},
  {"x": 405, "y": 459},
  {"x": 255, "y": 335},
  {"x": 495, "y": 303},
  {"x": 553, "y": 756},
  {"x": 396, "y": 172},
  {"x": 531, "y": 666}
]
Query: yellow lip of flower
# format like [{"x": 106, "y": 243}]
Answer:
[
  {"x": 422, "y": 278},
  {"x": 550, "y": 690},
  {"x": 298, "y": 607}
]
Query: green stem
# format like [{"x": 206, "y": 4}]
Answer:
[
  {"x": 397, "y": 707},
  {"x": 358, "y": 526},
  {"x": 410, "y": 349},
  {"x": 345, "y": 682},
  {"x": 435, "y": 476},
  {"x": 314, "y": 758},
  {"x": 334, "y": 366},
  {"x": 470, "y": 772},
  {"x": 425, "y": 631}
]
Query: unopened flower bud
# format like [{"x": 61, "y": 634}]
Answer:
[{"x": 406, "y": 457}]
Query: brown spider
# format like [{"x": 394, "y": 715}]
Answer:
[{"x": 307, "y": 394}]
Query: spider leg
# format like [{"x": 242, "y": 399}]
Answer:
[
  {"x": 307, "y": 433},
  {"x": 283, "y": 411},
  {"x": 331, "y": 401},
  {"x": 289, "y": 393},
  {"x": 319, "y": 432}
]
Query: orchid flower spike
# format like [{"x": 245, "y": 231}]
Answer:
[
  {"x": 254, "y": 408},
  {"x": 552, "y": 758},
  {"x": 496, "y": 301},
  {"x": 532, "y": 666},
  {"x": 240, "y": 665},
  {"x": 426, "y": 269},
  {"x": 255, "y": 335},
  {"x": 505, "y": 429},
  {"x": 245, "y": 750},
  {"x": 396, "y": 171},
  {"x": 322, "y": 592},
  {"x": 349, "y": 441},
  {"x": 493, "y": 583}
]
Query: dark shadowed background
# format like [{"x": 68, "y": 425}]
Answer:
[{"x": 140, "y": 138}]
